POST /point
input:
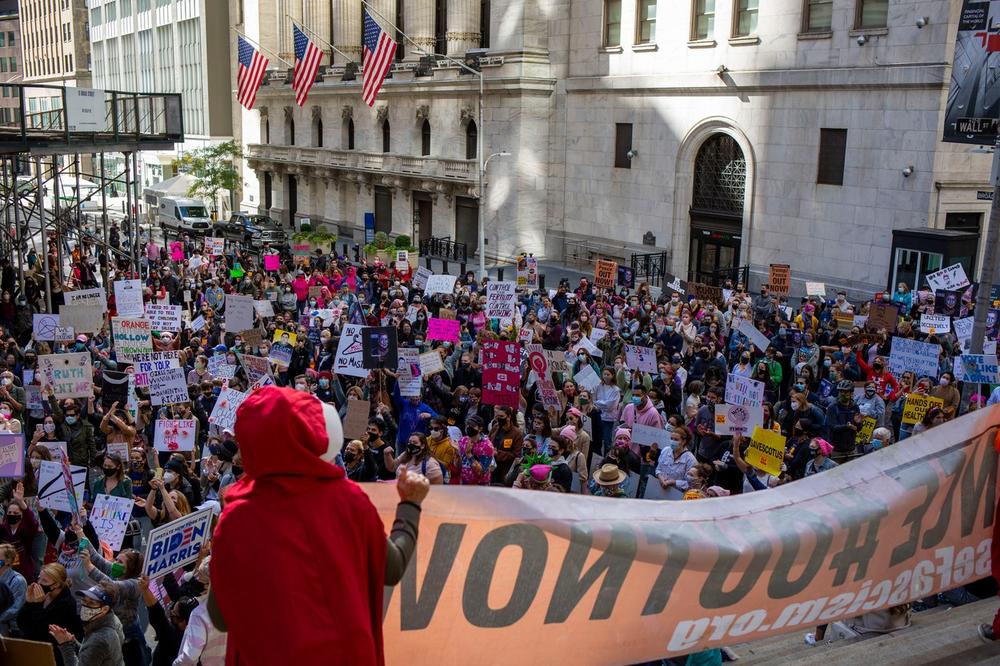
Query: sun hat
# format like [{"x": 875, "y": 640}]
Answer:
[{"x": 609, "y": 475}]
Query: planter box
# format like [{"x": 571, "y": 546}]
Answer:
[{"x": 389, "y": 257}]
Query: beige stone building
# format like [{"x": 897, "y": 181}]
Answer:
[
  {"x": 56, "y": 51},
  {"x": 719, "y": 133},
  {"x": 10, "y": 61}
]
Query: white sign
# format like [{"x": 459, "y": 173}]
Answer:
[
  {"x": 110, "y": 517},
  {"x": 501, "y": 300},
  {"x": 163, "y": 317},
  {"x": 43, "y": 326},
  {"x": 177, "y": 543},
  {"x": 648, "y": 435},
  {"x": 224, "y": 413},
  {"x": 759, "y": 340},
  {"x": 133, "y": 337},
  {"x": 152, "y": 362},
  {"x": 744, "y": 391},
  {"x": 963, "y": 327},
  {"x": 198, "y": 323},
  {"x": 409, "y": 378},
  {"x": 348, "y": 360},
  {"x": 239, "y": 313},
  {"x": 128, "y": 298},
  {"x": 264, "y": 308},
  {"x": 587, "y": 379},
  {"x": 86, "y": 110},
  {"x": 215, "y": 246},
  {"x": 440, "y": 284},
  {"x": 168, "y": 387},
  {"x": 52, "y": 486},
  {"x": 977, "y": 368},
  {"x": 951, "y": 278},
  {"x": 90, "y": 297},
  {"x": 82, "y": 318},
  {"x": 430, "y": 363},
  {"x": 934, "y": 323},
  {"x": 920, "y": 358},
  {"x": 68, "y": 375},
  {"x": 640, "y": 358},
  {"x": 175, "y": 435},
  {"x": 816, "y": 289},
  {"x": 420, "y": 277},
  {"x": 738, "y": 419}
]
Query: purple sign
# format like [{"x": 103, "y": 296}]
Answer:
[{"x": 11, "y": 455}]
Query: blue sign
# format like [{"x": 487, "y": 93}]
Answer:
[
  {"x": 369, "y": 228},
  {"x": 177, "y": 543}
]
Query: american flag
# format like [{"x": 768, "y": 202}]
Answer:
[
  {"x": 307, "y": 58},
  {"x": 252, "y": 68},
  {"x": 379, "y": 51}
]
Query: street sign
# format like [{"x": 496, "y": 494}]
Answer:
[{"x": 971, "y": 115}]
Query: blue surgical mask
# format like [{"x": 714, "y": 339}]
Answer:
[
  {"x": 324, "y": 383},
  {"x": 827, "y": 363},
  {"x": 70, "y": 420},
  {"x": 876, "y": 444},
  {"x": 782, "y": 331},
  {"x": 636, "y": 400}
]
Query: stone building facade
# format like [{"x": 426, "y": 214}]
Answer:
[
  {"x": 720, "y": 133},
  {"x": 55, "y": 50}
]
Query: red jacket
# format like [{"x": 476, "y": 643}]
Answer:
[
  {"x": 883, "y": 380},
  {"x": 298, "y": 557}
]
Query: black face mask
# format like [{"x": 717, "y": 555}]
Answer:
[
  {"x": 13, "y": 519},
  {"x": 413, "y": 450},
  {"x": 110, "y": 471},
  {"x": 46, "y": 588},
  {"x": 349, "y": 457},
  {"x": 472, "y": 432}
]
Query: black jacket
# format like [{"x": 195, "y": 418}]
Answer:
[{"x": 35, "y": 618}]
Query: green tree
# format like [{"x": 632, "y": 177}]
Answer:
[{"x": 213, "y": 169}]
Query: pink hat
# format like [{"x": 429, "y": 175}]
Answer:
[
  {"x": 569, "y": 432},
  {"x": 623, "y": 432},
  {"x": 575, "y": 412},
  {"x": 976, "y": 398},
  {"x": 824, "y": 446},
  {"x": 540, "y": 473}
]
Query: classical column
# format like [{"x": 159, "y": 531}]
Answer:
[
  {"x": 419, "y": 25},
  {"x": 286, "y": 9},
  {"x": 463, "y": 26},
  {"x": 316, "y": 17},
  {"x": 347, "y": 30}
]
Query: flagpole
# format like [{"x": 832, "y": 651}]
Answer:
[
  {"x": 321, "y": 40},
  {"x": 257, "y": 44},
  {"x": 481, "y": 131}
]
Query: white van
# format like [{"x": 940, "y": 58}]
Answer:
[{"x": 183, "y": 214}]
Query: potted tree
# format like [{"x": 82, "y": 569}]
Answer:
[{"x": 309, "y": 240}]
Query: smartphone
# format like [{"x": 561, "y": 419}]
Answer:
[
  {"x": 84, "y": 544},
  {"x": 158, "y": 474}
]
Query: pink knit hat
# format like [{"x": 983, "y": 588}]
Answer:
[
  {"x": 623, "y": 432},
  {"x": 824, "y": 446},
  {"x": 540, "y": 473},
  {"x": 569, "y": 432}
]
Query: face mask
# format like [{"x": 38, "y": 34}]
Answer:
[
  {"x": 827, "y": 363},
  {"x": 70, "y": 420},
  {"x": 87, "y": 613},
  {"x": 216, "y": 390},
  {"x": 782, "y": 331},
  {"x": 324, "y": 383},
  {"x": 169, "y": 477},
  {"x": 796, "y": 405},
  {"x": 876, "y": 444},
  {"x": 877, "y": 366},
  {"x": 349, "y": 457},
  {"x": 413, "y": 450},
  {"x": 464, "y": 399},
  {"x": 943, "y": 381},
  {"x": 844, "y": 398},
  {"x": 800, "y": 387},
  {"x": 49, "y": 427},
  {"x": 669, "y": 329},
  {"x": 581, "y": 358},
  {"x": 813, "y": 450},
  {"x": 870, "y": 393},
  {"x": 300, "y": 387},
  {"x": 36, "y": 463},
  {"x": 636, "y": 400},
  {"x": 110, "y": 471},
  {"x": 436, "y": 434},
  {"x": 13, "y": 519},
  {"x": 46, "y": 588},
  {"x": 237, "y": 470},
  {"x": 473, "y": 431}
]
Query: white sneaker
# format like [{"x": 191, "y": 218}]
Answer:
[{"x": 810, "y": 639}]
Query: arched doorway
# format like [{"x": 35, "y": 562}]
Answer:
[{"x": 720, "y": 179}]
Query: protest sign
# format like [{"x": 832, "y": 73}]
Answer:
[
  {"x": 648, "y": 435},
  {"x": 52, "y": 486},
  {"x": 443, "y": 329},
  {"x": 816, "y": 289},
  {"x": 33, "y": 397},
  {"x": 272, "y": 262},
  {"x": 402, "y": 261},
  {"x": 56, "y": 449},
  {"x": 177, "y": 543},
  {"x": 114, "y": 388},
  {"x": 440, "y": 284},
  {"x": 168, "y": 387},
  {"x": 705, "y": 293},
  {"x": 779, "y": 278},
  {"x": 224, "y": 413},
  {"x": 349, "y": 359},
  {"x": 557, "y": 360},
  {"x": 501, "y": 360},
  {"x": 198, "y": 323},
  {"x": 281, "y": 347},
  {"x": 43, "y": 326},
  {"x": 64, "y": 334},
  {"x": 132, "y": 337},
  {"x": 163, "y": 317},
  {"x": 587, "y": 378},
  {"x": 744, "y": 391},
  {"x": 537, "y": 360},
  {"x": 549, "y": 395},
  {"x": 868, "y": 425},
  {"x": 11, "y": 455},
  {"x": 81, "y": 318},
  {"x": 356, "y": 419},
  {"x": 934, "y": 323},
  {"x": 175, "y": 435},
  {"x": 737, "y": 419},
  {"x": 68, "y": 375},
  {"x": 264, "y": 308},
  {"x": 605, "y": 274},
  {"x": 626, "y": 277},
  {"x": 239, "y": 313},
  {"x": 420, "y": 277},
  {"x": 758, "y": 339},
  {"x": 844, "y": 320},
  {"x": 597, "y": 334},
  {"x": 110, "y": 516},
  {"x": 120, "y": 449},
  {"x": 640, "y": 358},
  {"x": 379, "y": 347},
  {"x": 963, "y": 327},
  {"x": 920, "y": 358},
  {"x": 950, "y": 278},
  {"x": 91, "y": 298},
  {"x": 187, "y": 296},
  {"x": 526, "y": 335},
  {"x": 128, "y": 298},
  {"x": 148, "y": 362},
  {"x": 882, "y": 316},
  {"x": 255, "y": 367},
  {"x": 431, "y": 363},
  {"x": 980, "y": 368},
  {"x": 215, "y": 247},
  {"x": 501, "y": 300},
  {"x": 916, "y": 407},
  {"x": 766, "y": 451}
]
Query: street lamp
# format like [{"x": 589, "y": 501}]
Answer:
[{"x": 482, "y": 204}]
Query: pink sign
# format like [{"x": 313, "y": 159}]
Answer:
[
  {"x": 443, "y": 329},
  {"x": 272, "y": 262},
  {"x": 501, "y": 360}
]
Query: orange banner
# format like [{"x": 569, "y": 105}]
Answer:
[{"x": 625, "y": 581}]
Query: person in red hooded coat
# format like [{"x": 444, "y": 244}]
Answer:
[{"x": 300, "y": 556}]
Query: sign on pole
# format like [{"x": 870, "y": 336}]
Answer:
[{"x": 971, "y": 115}]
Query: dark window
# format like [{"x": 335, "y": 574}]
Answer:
[
  {"x": 720, "y": 175},
  {"x": 291, "y": 132},
  {"x": 440, "y": 26},
  {"x": 471, "y": 140},
  {"x": 386, "y": 136},
  {"x": 623, "y": 144},
  {"x": 267, "y": 191},
  {"x": 350, "y": 133},
  {"x": 425, "y": 138},
  {"x": 319, "y": 133},
  {"x": 267, "y": 131},
  {"x": 400, "y": 42},
  {"x": 964, "y": 222},
  {"x": 832, "y": 147},
  {"x": 484, "y": 24}
]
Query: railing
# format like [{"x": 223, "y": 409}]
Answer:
[
  {"x": 444, "y": 249},
  {"x": 738, "y": 274},
  {"x": 650, "y": 267},
  {"x": 431, "y": 167}
]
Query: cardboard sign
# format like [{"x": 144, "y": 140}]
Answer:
[
  {"x": 177, "y": 543},
  {"x": 175, "y": 435},
  {"x": 744, "y": 391},
  {"x": 263, "y": 309},
  {"x": 705, "y": 293},
  {"x": 737, "y": 419},
  {"x": 845, "y": 320},
  {"x": 649, "y": 435},
  {"x": 816, "y": 289},
  {"x": 148, "y": 362},
  {"x": 128, "y": 298},
  {"x": 446, "y": 330},
  {"x": 779, "y": 278},
  {"x": 641, "y": 358},
  {"x": 356, "y": 419},
  {"x": 883, "y": 316},
  {"x": 917, "y": 406},
  {"x": 168, "y": 387},
  {"x": 240, "y": 313},
  {"x": 766, "y": 451},
  {"x": 81, "y": 318},
  {"x": 440, "y": 284},
  {"x": 52, "y": 485},
  {"x": 557, "y": 360},
  {"x": 758, "y": 339},
  {"x": 68, "y": 375},
  {"x": 379, "y": 347},
  {"x": 350, "y": 354},
  {"x": 163, "y": 317},
  {"x": 948, "y": 279},
  {"x": 978, "y": 368},
  {"x": 431, "y": 363},
  {"x": 132, "y": 337},
  {"x": 920, "y": 358},
  {"x": 215, "y": 247},
  {"x": 932, "y": 323},
  {"x": 11, "y": 455},
  {"x": 43, "y": 326},
  {"x": 605, "y": 273},
  {"x": 501, "y": 360},
  {"x": 272, "y": 262},
  {"x": 501, "y": 300},
  {"x": 110, "y": 516},
  {"x": 224, "y": 413}
]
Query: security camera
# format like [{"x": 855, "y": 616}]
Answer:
[
  {"x": 862, "y": 40},
  {"x": 922, "y": 21},
  {"x": 632, "y": 153},
  {"x": 907, "y": 171}
]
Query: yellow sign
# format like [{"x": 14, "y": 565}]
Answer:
[
  {"x": 766, "y": 451},
  {"x": 867, "y": 428},
  {"x": 916, "y": 407}
]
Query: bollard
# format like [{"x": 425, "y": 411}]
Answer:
[
  {"x": 357, "y": 254},
  {"x": 541, "y": 281},
  {"x": 428, "y": 261},
  {"x": 463, "y": 268},
  {"x": 500, "y": 275},
  {"x": 444, "y": 267},
  {"x": 345, "y": 249}
]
